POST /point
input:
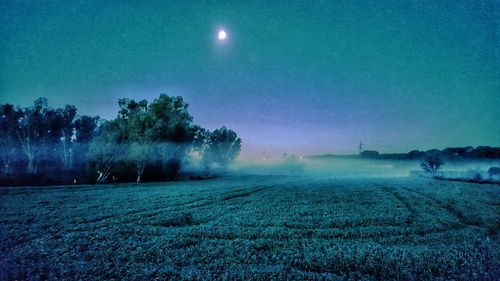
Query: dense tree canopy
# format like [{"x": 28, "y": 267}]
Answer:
[
  {"x": 160, "y": 131},
  {"x": 219, "y": 147},
  {"x": 146, "y": 139}
]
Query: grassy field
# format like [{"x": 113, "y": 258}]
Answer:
[{"x": 253, "y": 228}]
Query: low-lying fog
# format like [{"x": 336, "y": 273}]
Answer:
[{"x": 350, "y": 167}]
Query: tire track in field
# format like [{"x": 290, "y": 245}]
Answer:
[
  {"x": 459, "y": 215},
  {"x": 412, "y": 212},
  {"x": 245, "y": 194},
  {"x": 205, "y": 200},
  {"x": 448, "y": 208},
  {"x": 134, "y": 216}
]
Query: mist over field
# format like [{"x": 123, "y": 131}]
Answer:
[
  {"x": 250, "y": 140},
  {"x": 253, "y": 228},
  {"x": 349, "y": 167}
]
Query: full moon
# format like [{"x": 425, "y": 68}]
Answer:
[{"x": 222, "y": 35}]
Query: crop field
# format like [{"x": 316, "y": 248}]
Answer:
[{"x": 253, "y": 228}]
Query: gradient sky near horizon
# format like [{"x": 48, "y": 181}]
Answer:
[{"x": 293, "y": 76}]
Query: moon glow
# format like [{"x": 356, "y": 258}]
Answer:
[{"x": 222, "y": 35}]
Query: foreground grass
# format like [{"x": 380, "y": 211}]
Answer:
[{"x": 253, "y": 228}]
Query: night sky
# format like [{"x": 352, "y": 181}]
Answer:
[{"x": 291, "y": 76}]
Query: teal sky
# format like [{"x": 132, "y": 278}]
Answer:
[{"x": 293, "y": 76}]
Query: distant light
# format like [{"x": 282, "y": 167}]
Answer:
[{"x": 222, "y": 35}]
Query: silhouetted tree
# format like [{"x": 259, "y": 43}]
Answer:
[
  {"x": 484, "y": 152},
  {"x": 432, "y": 162},
  {"x": 415, "y": 154},
  {"x": 67, "y": 130},
  {"x": 494, "y": 171},
  {"x": 174, "y": 131},
  {"x": 370, "y": 154},
  {"x": 30, "y": 131},
  {"x": 107, "y": 149},
  {"x": 40, "y": 138},
  {"x": 139, "y": 132},
  {"x": 220, "y": 147},
  {"x": 166, "y": 123},
  {"x": 85, "y": 128},
  {"x": 59, "y": 146},
  {"x": 9, "y": 142}
]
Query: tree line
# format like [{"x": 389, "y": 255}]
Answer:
[
  {"x": 147, "y": 141},
  {"x": 451, "y": 154}
]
